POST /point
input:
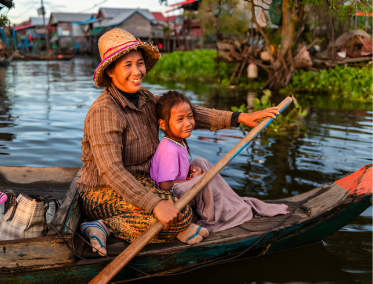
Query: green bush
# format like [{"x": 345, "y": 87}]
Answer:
[
  {"x": 199, "y": 65},
  {"x": 190, "y": 65},
  {"x": 346, "y": 82}
]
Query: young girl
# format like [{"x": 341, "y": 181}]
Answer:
[{"x": 216, "y": 207}]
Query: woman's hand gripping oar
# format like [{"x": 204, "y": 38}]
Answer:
[{"x": 130, "y": 252}]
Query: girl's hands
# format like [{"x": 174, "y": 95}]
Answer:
[
  {"x": 195, "y": 171},
  {"x": 167, "y": 213},
  {"x": 251, "y": 119}
]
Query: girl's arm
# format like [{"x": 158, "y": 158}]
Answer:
[
  {"x": 193, "y": 172},
  {"x": 167, "y": 185}
]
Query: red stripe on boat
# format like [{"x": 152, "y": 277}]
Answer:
[{"x": 359, "y": 181}]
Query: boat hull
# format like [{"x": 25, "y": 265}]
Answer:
[{"x": 296, "y": 236}]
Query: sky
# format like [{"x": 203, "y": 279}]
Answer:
[{"x": 24, "y": 9}]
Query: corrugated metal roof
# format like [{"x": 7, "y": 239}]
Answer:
[
  {"x": 38, "y": 21},
  {"x": 91, "y": 21},
  {"x": 183, "y": 3},
  {"x": 33, "y": 22},
  {"x": 68, "y": 17},
  {"x": 111, "y": 13},
  {"x": 125, "y": 15},
  {"x": 158, "y": 16},
  {"x": 21, "y": 27},
  {"x": 96, "y": 31}
]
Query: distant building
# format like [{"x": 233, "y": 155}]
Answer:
[
  {"x": 31, "y": 34},
  {"x": 188, "y": 26},
  {"x": 175, "y": 23},
  {"x": 34, "y": 25},
  {"x": 136, "y": 21},
  {"x": 139, "y": 22},
  {"x": 66, "y": 31},
  {"x": 158, "y": 16},
  {"x": 158, "y": 27}
]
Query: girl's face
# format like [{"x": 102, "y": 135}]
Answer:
[
  {"x": 181, "y": 122},
  {"x": 128, "y": 72}
]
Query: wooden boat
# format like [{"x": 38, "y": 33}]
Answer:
[
  {"x": 60, "y": 57},
  {"x": 65, "y": 258}
]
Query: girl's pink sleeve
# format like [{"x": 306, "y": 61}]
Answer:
[{"x": 165, "y": 167}]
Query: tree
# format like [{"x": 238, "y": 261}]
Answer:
[
  {"x": 223, "y": 17},
  {"x": 281, "y": 55},
  {"x": 294, "y": 20}
]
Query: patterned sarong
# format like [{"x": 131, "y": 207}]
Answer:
[{"x": 125, "y": 220}]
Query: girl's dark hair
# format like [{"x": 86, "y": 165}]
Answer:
[{"x": 167, "y": 101}]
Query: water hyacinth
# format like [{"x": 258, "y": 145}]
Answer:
[
  {"x": 189, "y": 65},
  {"x": 346, "y": 82},
  {"x": 289, "y": 123}
]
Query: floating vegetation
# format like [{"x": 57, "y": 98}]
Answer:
[
  {"x": 190, "y": 65},
  {"x": 350, "y": 83},
  {"x": 288, "y": 123}
]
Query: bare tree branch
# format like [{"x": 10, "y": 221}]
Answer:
[
  {"x": 260, "y": 7},
  {"x": 259, "y": 63},
  {"x": 266, "y": 39},
  {"x": 302, "y": 25},
  {"x": 332, "y": 28}
]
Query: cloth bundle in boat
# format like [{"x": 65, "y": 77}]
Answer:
[
  {"x": 217, "y": 207},
  {"x": 27, "y": 217}
]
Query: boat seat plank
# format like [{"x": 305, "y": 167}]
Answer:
[
  {"x": 35, "y": 253},
  {"x": 43, "y": 181},
  {"x": 301, "y": 198}
]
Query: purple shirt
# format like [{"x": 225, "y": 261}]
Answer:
[{"x": 170, "y": 162}]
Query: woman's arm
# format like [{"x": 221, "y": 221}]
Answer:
[{"x": 213, "y": 119}]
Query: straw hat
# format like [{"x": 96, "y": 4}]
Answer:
[{"x": 116, "y": 43}]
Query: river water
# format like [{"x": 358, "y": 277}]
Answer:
[{"x": 42, "y": 111}]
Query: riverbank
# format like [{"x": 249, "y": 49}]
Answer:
[{"x": 349, "y": 83}]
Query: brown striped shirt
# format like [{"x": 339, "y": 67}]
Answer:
[{"x": 120, "y": 141}]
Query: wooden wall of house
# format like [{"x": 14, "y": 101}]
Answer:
[
  {"x": 68, "y": 42},
  {"x": 137, "y": 25}
]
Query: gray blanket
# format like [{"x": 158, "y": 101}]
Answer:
[{"x": 217, "y": 207}]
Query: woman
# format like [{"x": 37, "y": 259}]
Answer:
[{"x": 120, "y": 139}]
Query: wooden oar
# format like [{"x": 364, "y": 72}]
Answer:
[{"x": 130, "y": 252}]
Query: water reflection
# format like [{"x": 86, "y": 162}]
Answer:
[
  {"x": 312, "y": 264},
  {"x": 251, "y": 96},
  {"x": 44, "y": 106}
]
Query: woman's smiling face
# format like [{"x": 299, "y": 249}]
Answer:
[{"x": 128, "y": 72}]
